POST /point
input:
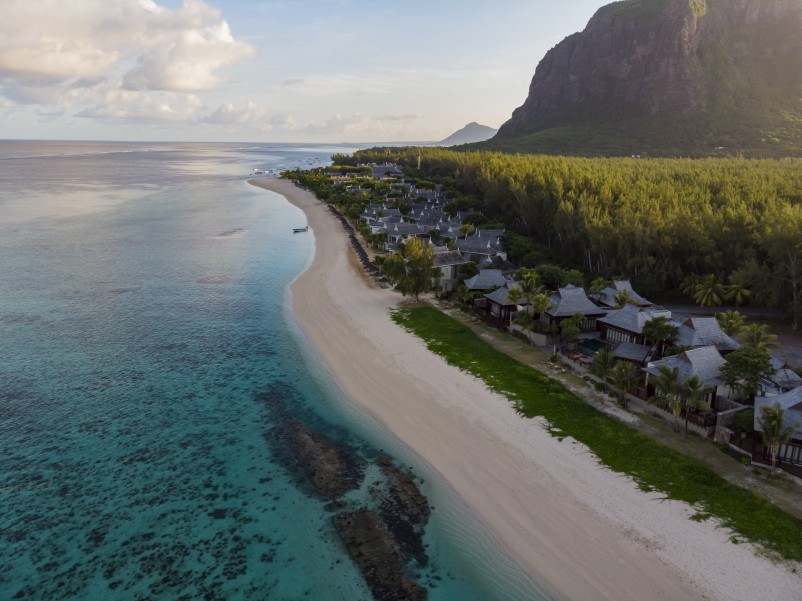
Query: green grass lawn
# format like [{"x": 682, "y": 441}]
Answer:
[{"x": 618, "y": 446}]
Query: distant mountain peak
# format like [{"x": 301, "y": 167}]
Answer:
[{"x": 471, "y": 133}]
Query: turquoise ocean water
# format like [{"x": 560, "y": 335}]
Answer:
[{"x": 148, "y": 360}]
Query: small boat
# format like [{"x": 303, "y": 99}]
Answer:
[{"x": 298, "y": 230}]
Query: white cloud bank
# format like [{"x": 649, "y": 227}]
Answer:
[
  {"x": 114, "y": 58},
  {"x": 362, "y": 127},
  {"x": 227, "y": 114}
]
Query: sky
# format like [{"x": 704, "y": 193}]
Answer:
[{"x": 271, "y": 71}]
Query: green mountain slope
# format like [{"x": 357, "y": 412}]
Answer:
[{"x": 669, "y": 78}]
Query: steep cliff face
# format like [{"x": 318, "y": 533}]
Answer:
[{"x": 648, "y": 64}]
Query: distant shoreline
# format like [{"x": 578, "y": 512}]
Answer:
[{"x": 581, "y": 531}]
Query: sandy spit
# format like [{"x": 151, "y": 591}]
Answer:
[{"x": 582, "y": 531}]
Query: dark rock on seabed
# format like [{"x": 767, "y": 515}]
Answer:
[
  {"x": 405, "y": 511},
  {"x": 373, "y": 551},
  {"x": 381, "y": 539},
  {"x": 332, "y": 470}
]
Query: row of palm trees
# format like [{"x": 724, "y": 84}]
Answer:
[
  {"x": 707, "y": 291},
  {"x": 622, "y": 374},
  {"x": 529, "y": 292},
  {"x": 682, "y": 396},
  {"x": 755, "y": 335},
  {"x": 679, "y": 396}
]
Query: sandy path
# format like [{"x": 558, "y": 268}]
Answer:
[{"x": 582, "y": 531}]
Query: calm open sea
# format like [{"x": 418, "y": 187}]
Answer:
[{"x": 148, "y": 358}]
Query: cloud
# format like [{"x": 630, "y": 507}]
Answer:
[
  {"x": 282, "y": 122},
  {"x": 362, "y": 126},
  {"x": 186, "y": 50},
  {"x": 228, "y": 114},
  {"x": 116, "y": 104},
  {"x": 48, "y": 49},
  {"x": 352, "y": 84}
]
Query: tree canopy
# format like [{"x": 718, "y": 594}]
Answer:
[
  {"x": 659, "y": 221},
  {"x": 745, "y": 368}
]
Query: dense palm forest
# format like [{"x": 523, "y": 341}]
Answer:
[{"x": 657, "y": 221}]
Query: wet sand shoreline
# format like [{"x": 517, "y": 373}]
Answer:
[{"x": 582, "y": 531}]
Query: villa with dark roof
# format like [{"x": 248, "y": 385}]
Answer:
[
  {"x": 448, "y": 262},
  {"x": 782, "y": 380},
  {"x": 486, "y": 279},
  {"x": 704, "y": 331},
  {"x": 791, "y": 404},
  {"x": 398, "y": 232},
  {"x": 499, "y": 306},
  {"x": 478, "y": 249},
  {"x": 497, "y": 262},
  {"x": 449, "y": 230},
  {"x": 606, "y": 298},
  {"x": 626, "y": 324},
  {"x": 494, "y": 235},
  {"x": 384, "y": 170},
  {"x": 703, "y": 362},
  {"x": 570, "y": 301}
]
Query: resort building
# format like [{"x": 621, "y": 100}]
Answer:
[
  {"x": 486, "y": 279},
  {"x": 783, "y": 380},
  {"x": 500, "y": 308},
  {"x": 704, "y": 331},
  {"x": 607, "y": 298},
  {"x": 478, "y": 248},
  {"x": 705, "y": 363},
  {"x": 570, "y": 301},
  {"x": 626, "y": 324},
  {"x": 448, "y": 262},
  {"x": 791, "y": 404}
]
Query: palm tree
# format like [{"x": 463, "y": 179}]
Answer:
[
  {"x": 739, "y": 288},
  {"x": 774, "y": 431},
  {"x": 758, "y": 337},
  {"x": 709, "y": 292},
  {"x": 462, "y": 293},
  {"x": 597, "y": 286},
  {"x": 538, "y": 304},
  {"x": 658, "y": 331},
  {"x": 623, "y": 298},
  {"x": 732, "y": 322},
  {"x": 465, "y": 230},
  {"x": 689, "y": 284},
  {"x": 667, "y": 386},
  {"x": 526, "y": 321},
  {"x": 623, "y": 376},
  {"x": 529, "y": 286},
  {"x": 514, "y": 296},
  {"x": 690, "y": 393},
  {"x": 602, "y": 367}
]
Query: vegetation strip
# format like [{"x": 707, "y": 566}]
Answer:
[{"x": 618, "y": 446}]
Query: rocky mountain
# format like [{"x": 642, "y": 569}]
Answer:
[
  {"x": 473, "y": 132},
  {"x": 669, "y": 77}
]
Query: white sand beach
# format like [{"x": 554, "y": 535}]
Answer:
[{"x": 582, "y": 531}]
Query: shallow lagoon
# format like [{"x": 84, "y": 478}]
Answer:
[{"x": 145, "y": 331}]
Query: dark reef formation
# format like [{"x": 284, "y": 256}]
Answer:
[
  {"x": 383, "y": 530},
  {"x": 405, "y": 511},
  {"x": 332, "y": 469},
  {"x": 374, "y": 552}
]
